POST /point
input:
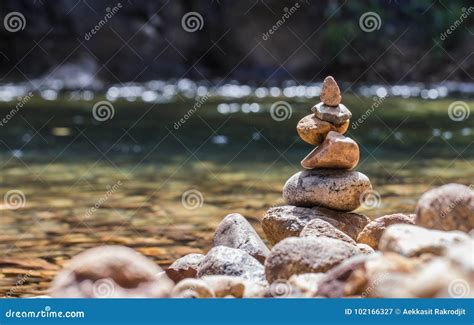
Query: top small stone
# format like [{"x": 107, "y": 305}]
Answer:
[{"x": 330, "y": 95}]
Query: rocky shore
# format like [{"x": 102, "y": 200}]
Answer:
[{"x": 319, "y": 246}]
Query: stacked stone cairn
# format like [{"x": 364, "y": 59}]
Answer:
[
  {"x": 328, "y": 180},
  {"x": 320, "y": 248}
]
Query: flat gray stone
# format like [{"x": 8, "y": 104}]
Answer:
[
  {"x": 337, "y": 115},
  {"x": 331, "y": 188}
]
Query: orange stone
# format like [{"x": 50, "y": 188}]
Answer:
[
  {"x": 337, "y": 151},
  {"x": 313, "y": 130}
]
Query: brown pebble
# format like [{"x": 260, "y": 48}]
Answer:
[
  {"x": 184, "y": 267},
  {"x": 330, "y": 94},
  {"x": 448, "y": 207},
  {"x": 314, "y": 130},
  {"x": 111, "y": 272},
  {"x": 298, "y": 255},
  {"x": 320, "y": 228},
  {"x": 371, "y": 234},
  {"x": 337, "y": 151}
]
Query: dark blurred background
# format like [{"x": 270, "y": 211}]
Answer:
[{"x": 145, "y": 40}]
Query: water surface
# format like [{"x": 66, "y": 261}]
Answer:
[{"x": 121, "y": 181}]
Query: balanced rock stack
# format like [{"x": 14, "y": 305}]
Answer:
[
  {"x": 328, "y": 180},
  {"x": 315, "y": 230}
]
